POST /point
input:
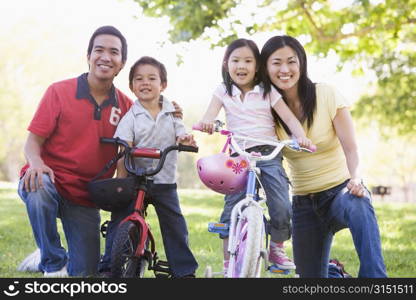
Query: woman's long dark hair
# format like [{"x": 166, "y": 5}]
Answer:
[
  {"x": 306, "y": 88},
  {"x": 239, "y": 43}
]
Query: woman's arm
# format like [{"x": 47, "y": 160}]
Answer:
[
  {"x": 344, "y": 129},
  {"x": 293, "y": 123}
]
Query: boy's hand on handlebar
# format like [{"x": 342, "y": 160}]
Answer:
[{"x": 187, "y": 140}]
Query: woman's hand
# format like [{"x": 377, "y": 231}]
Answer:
[{"x": 356, "y": 187}]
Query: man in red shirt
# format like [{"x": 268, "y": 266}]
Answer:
[{"x": 63, "y": 154}]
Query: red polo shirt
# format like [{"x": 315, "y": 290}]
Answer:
[{"x": 72, "y": 123}]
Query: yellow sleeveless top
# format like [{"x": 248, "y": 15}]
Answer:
[{"x": 327, "y": 167}]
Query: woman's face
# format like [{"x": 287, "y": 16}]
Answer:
[{"x": 283, "y": 68}]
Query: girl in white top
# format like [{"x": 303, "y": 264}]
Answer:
[{"x": 248, "y": 112}]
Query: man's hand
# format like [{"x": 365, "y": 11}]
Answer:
[
  {"x": 178, "y": 110},
  {"x": 32, "y": 180}
]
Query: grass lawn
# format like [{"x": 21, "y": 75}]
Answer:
[{"x": 397, "y": 225}]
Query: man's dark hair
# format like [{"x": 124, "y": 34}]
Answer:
[{"x": 111, "y": 30}]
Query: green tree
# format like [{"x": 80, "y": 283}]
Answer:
[{"x": 379, "y": 35}]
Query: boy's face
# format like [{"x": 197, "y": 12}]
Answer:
[
  {"x": 146, "y": 84},
  {"x": 105, "y": 59}
]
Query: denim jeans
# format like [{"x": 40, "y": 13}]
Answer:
[
  {"x": 164, "y": 198},
  {"x": 80, "y": 224},
  {"x": 317, "y": 217},
  {"x": 276, "y": 186}
]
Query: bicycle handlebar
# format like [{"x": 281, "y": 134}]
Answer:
[
  {"x": 153, "y": 153},
  {"x": 291, "y": 144}
]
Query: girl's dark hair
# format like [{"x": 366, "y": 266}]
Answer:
[
  {"x": 111, "y": 30},
  {"x": 147, "y": 60},
  {"x": 306, "y": 88},
  {"x": 239, "y": 43}
]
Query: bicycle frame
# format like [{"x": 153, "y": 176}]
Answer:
[
  {"x": 237, "y": 225},
  {"x": 137, "y": 217}
]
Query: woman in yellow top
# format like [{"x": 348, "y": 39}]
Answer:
[{"x": 329, "y": 194}]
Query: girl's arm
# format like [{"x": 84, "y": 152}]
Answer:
[
  {"x": 207, "y": 122},
  {"x": 121, "y": 169},
  {"x": 344, "y": 129},
  {"x": 293, "y": 123}
]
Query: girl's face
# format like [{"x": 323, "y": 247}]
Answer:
[
  {"x": 283, "y": 68},
  {"x": 241, "y": 66},
  {"x": 146, "y": 84}
]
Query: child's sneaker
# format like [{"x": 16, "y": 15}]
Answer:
[{"x": 277, "y": 256}]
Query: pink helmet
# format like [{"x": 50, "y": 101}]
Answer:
[{"x": 223, "y": 173}]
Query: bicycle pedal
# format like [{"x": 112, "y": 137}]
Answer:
[
  {"x": 218, "y": 227},
  {"x": 276, "y": 270}
]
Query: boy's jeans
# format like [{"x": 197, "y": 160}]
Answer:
[
  {"x": 317, "y": 217},
  {"x": 172, "y": 226},
  {"x": 80, "y": 224}
]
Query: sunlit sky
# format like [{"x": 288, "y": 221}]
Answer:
[{"x": 66, "y": 26}]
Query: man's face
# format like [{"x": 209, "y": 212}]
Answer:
[{"x": 105, "y": 59}]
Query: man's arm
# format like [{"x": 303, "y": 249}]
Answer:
[{"x": 33, "y": 175}]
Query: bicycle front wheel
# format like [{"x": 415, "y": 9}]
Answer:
[
  {"x": 248, "y": 238},
  {"x": 124, "y": 263}
]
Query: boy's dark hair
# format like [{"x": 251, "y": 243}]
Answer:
[
  {"x": 147, "y": 60},
  {"x": 111, "y": 30},
  {"x": 306, "y": 88},
  {"x": 239, "y": 43}
]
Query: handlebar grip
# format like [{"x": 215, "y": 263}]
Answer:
[
  {"x": 187, "y": 148},
  {"x": 108, "y": 140}
]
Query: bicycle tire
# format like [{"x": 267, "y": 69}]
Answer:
[
  {"x": 249, "y": 238},
  {"x": 123, "y": 262}
]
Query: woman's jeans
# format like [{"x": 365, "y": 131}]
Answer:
[
  {"x": 80, "y": 224},
  {"x": 276, "y": 186},
  {"x": 317, "y": 217},
  {"x": 164, "y": 198}
]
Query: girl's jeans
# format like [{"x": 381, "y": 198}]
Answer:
[
  {"x": 80, "y": 224},
  {"x": 317, "y": 217},
  {"x": 172, "y": 226},
  {"x": 276, "y": 186}
]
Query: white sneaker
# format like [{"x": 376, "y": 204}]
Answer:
[
  {"x": 60, "y": 273},
  {"x": 30, "y": 263}
]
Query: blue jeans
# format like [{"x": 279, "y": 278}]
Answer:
[
  {"x": 276, "y": 186},
  {"x": 164, "y": 198},
  {"x": 80, "y": 224},
  {"x": 317, "y": 217}
]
